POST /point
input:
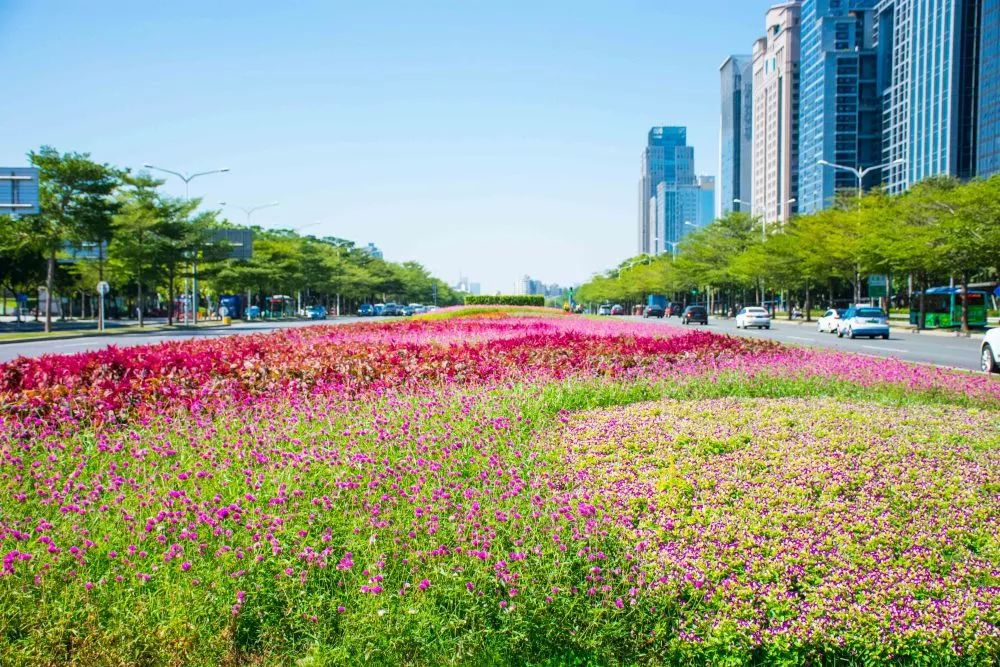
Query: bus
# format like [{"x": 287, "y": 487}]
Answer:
[{"x": 943, "y": 308}]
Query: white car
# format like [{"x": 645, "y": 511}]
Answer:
[
  {"x": 867, "y": 321},
  {"x": 990, "y": 352},
  {"x": 828, "y": 323},
  {"x": 753, "y": 316}
]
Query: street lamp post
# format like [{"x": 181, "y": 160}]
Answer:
[
  {"x": 860, "y": 175},
  {"x": 673, "y": 247},
  {"x": 187, "y": 178},
  {"x": 249, "y": 211},
  {"x": 763, "y": 220}
]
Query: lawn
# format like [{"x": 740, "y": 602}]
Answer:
[{"x": 496, "y": 488}]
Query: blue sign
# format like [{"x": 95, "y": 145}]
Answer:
[{"x": 18, "y": 191}]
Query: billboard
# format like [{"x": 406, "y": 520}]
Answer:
[
  {"x": 18, "y": 191},
  {"x": 240, "y": 242}
]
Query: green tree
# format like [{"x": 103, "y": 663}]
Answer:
[{"x": 76, "y": 204}]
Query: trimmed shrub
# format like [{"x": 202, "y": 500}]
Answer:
[{"x": 506, "y": 300}]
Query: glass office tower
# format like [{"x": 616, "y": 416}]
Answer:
[{"x": 840, "y": 106}]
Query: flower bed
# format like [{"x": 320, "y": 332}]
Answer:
[{"x": 496, "y": 490}]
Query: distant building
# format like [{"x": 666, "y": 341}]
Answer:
[
  {"x": 528, "y": 286},
  {"x": 776, "y": 114},
  {"x": 373, "y": 250},
  {"x": 706, "y": 200},
  {"x": 928, "y": 55},
  {"x": 666, "y": 160},
  {"x": 466, "y": 286},
  {"x": 988, "y": 131},
  {"x": 840, "y": 117},
  {"x": 736, "y": 133}
]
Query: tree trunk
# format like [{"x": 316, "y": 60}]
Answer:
[
  {"x": 965, "y": 302},
  {"x": 808, "y": 303},
  {"x": 50, "y": 279},
  {"x": 922, "y": 315},
  {"x": 170, "y": 296},
  {"x": 139, "y": 300}
]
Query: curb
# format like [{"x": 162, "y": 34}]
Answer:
[{"x": 97, "y": 334}]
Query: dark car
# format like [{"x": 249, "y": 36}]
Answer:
[
  {"x": 654, "y": 311},
  {"x": 365, "y": 310},
  {"x": 392, "y": 310},
  {"x": 697, "y": 314},
  {"x": 617, "y": 309},
  {"x": 674, "y": 309}
]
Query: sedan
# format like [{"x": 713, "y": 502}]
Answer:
[
  {"x": 864, "y": 321},
  {"x": 617, "y": 309},
  {"x": 990, "y": 352},
  {"x": 316, "y": 313},
  {"x": 753, "y": 316},
  {"x": 605, "y": 309},
  {"x": 694, "y": 314},
  {"x": 828, "y": 323}
]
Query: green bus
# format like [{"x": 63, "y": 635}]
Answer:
[{"x": 943, "y": 308}]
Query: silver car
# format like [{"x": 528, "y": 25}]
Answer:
[
  {"x": 864, "y": 321},
  {"x": 753, "y": 316}
]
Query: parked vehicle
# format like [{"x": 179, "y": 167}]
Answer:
[
  {"x": 864, "y": 321},
  {"x": 365, "y": 310},
  {"x": 753, "y": 316},
  {"x": 674, "y": 310},
  {"x": 697, "y": 314},
  {"x": 989, "y": 353},
  {"x": 656, "y": 306},
  {"x": 407, "y": 311},
  {"x": 605, "y": 309},
  {"x": 617, "y": 309},
  {"x": 392, "y": 310},
  {"x": 378, "y": 308},
  {"x": 828, "y": 323}
]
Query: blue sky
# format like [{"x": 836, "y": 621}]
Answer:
[{"x": 495, "y": 139}]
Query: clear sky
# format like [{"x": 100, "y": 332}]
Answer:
[{"x": 492, "y": 138}]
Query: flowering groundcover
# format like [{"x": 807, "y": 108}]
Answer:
[{"x": 496, "y": 490}]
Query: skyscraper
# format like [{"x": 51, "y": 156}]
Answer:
[
  {"x": 928, "y": 65},
  {"x": 667, "y": 159},
  {"x": 839, "y": 103},
  {"x": 988, "y": 135},
  {"x": 736, "y": 132},
  {"x": 776, "y": 114}
]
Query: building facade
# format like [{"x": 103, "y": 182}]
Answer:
[
  {"x": 666, "y": 159},
  {"x": 776, "y": 114},
  {"x": 840, "y": 109},
  {"x": 736, "y": 133},
  {"x": 988, "y": 119},
  {"x": 928, "y": 55}
]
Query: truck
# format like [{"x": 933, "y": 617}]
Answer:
[{"x": 656, "y": 306}]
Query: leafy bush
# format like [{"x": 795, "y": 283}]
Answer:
[{"x": 506, "y": 300}]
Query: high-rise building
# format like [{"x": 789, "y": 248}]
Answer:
[
  {"x": 776, "y": 114},
  {"x": 706, "y": 200},
  {"x": 666, "y": 159},
  {"x": 988, "y": 130},
  {"x": 736, "y": 133},
  {"x": 840, "y": 108},
  {"x": 928, "y": 53},
  {"x": 373, "y": 250}
]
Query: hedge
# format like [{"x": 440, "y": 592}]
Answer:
[{"x": 506, "y": 300}]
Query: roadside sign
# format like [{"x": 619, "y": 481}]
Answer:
[
  {"x": 877, "y": 286},
  {"x": 19, "y": 190},
  {"x": 103, "y": 288}
]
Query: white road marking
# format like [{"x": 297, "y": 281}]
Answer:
[
  {"x": 811, "y": 340},
  {"x": 885, "y": 349}
]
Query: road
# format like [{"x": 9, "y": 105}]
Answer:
[
  {"x": 36, "y": 348},
  {"x": 950, "y": 351},
  {"x": 941, "y": 350}
]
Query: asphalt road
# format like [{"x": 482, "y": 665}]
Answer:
[
  {"x": 941, "y": 350},
  {"x": 36, "y": 348}
]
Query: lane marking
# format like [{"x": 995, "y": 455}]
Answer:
[
  {"x": 887, "y": 349},
  {"x": 811, "y": 340}
]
